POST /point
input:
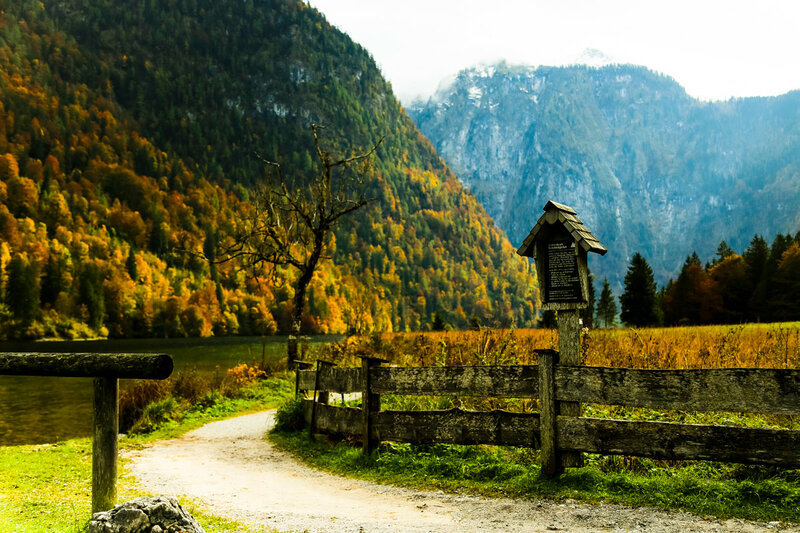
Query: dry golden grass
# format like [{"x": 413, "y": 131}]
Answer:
[{"x": 742, "y": 346}]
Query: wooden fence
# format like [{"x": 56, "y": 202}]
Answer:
[
  {"x": 106, "y": 369},
  {"x": 762, "y": 391}
]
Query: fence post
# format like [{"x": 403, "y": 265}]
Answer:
[
  {"x": 104, "y": 444},
  {"x": 319, "y": 396},
  {"x": 370, "y": 403},
  {"x": 551, "y": 458},
  {"x": 324, "y": 396},
  {"x": 298, "y": 366},
  {"x": 569, "y": 354}
]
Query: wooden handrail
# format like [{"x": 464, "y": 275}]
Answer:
[
  {"x": 87, "y": 365},
  {"x": 106, "y": 369}
]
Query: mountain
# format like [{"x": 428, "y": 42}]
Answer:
[
  {"x": 647, "y": 167},
  {"x": 128, "y": 133}
]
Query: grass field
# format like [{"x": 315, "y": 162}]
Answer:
[{"x": 741, "y": 346}]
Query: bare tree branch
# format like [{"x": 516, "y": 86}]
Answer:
[{"x": 291, "y": 222}]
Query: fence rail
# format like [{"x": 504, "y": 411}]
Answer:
[
  {"x": 106, "y": 369},
  {"x": 763, "y": 391}
]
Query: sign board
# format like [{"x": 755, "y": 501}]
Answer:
[
  {"x": 559, "y": 244},
  {"x": 562, "y": 281}
]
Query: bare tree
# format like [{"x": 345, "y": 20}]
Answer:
[{"x": 291, "y": 222}]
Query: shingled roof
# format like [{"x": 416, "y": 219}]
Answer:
[{"x": 555, "y": 212}]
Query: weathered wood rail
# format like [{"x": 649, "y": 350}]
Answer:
[
  {"x": 106, "y": 369},
  {"x": 557, "y": 433}
]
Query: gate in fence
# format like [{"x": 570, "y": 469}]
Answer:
[
  {"x": 556, "y": 433},
  {"x": 106, "y": 369}
]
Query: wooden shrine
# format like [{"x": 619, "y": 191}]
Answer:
[{"x": 559, "y": 243}]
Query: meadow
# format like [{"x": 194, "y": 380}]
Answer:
[{"x": 741, "y": 346}]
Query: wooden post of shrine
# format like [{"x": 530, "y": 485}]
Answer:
[{"x": 559, "y": 244}]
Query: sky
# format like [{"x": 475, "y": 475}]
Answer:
[{"x": 714, "y": 49}]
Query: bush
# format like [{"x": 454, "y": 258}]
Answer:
[
  {"x": 134, "y": 399},
  {"x": 191, "y": 386},
  {"x": 289, "y": 417},
  {"x": 156, "y": 414}
]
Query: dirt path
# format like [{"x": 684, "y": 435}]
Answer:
[{"x": 229, "y": 466}]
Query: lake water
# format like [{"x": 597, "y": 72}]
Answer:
[{"x": 37, "y": 410}]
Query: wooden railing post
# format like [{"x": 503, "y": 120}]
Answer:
[
  {"x": 551, "y": 458},
  {"x": 319, "y": 396},
  {"x": 104, "y": 443},
  {"x": 569, "y": 354},
  {"x": 106, "y": 369},
  {"x": 323, "y": 396},
  {"x": 370, "y": 403},
  {"x": 298, "y": 366}
]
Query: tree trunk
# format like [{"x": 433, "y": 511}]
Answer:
[
  {"x": 297, "y": 314},
  {"x": 306, "y": 274},
  {"x": 297, "y": 318}
]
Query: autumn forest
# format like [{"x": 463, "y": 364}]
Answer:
[{"x": 126, "y": 151}]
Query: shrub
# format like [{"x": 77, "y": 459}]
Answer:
[
  {"x": 156, "y": 414},
  {"x": 243, "y": 374},
  {"x": 134, "y": 399},
  {"x": 289, "y": 417},
  {"x": 190, "y": 385}
]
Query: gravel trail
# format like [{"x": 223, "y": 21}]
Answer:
[{"x": 231, "y": 468}]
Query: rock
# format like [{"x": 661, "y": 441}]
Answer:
[{"x": 162, "y": 514}]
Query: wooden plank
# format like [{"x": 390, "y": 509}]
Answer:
[
  {"x": 339, "y": 421},
  {"x": 333, "y": 379},
  {"x": 738, "y": 390},
  {"x": 300, "y": 365},
  {"x": 661, "y": 440},
  {"x": 105, "y": 444},
  {"x": 136, "y": 366},
  {"x": 551, "y": 458},
  {"x": 456, "y": 426},
  {"x": 519, "y": 381}
]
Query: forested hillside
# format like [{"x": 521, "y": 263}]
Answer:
[
  {"x": 128, "y": 132},
  {"x": 647, "y": 167}
]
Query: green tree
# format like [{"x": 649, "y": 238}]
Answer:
[
  {"x": 733, "y": 287},
  {"x": 437, "y": 322},
  {"x": 606, "y": 307},
  {"x": 53, "y": 280},
  {"x": 548, "y": 320},
  {"x": 756, "y": 256},
  {"x": 723, "y": 251},
  {"x": 785, "y": 287},
  {"x": 638, "y": 302},
  {"x": 22, "y": 289},
  {"x": 90, "y": 294},
  {"x": 130, "y": 265},
  {"x": 693, "y": 297}
]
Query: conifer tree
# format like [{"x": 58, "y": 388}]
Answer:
[
  {"x": 638, "y": 302},
  {"x": 756, "y": 256},
  {"x": 606, "y": 307}
]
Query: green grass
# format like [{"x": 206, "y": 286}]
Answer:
[
  {"x": 722, "y": 490},
  {"x": 47, "y": 488}
]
